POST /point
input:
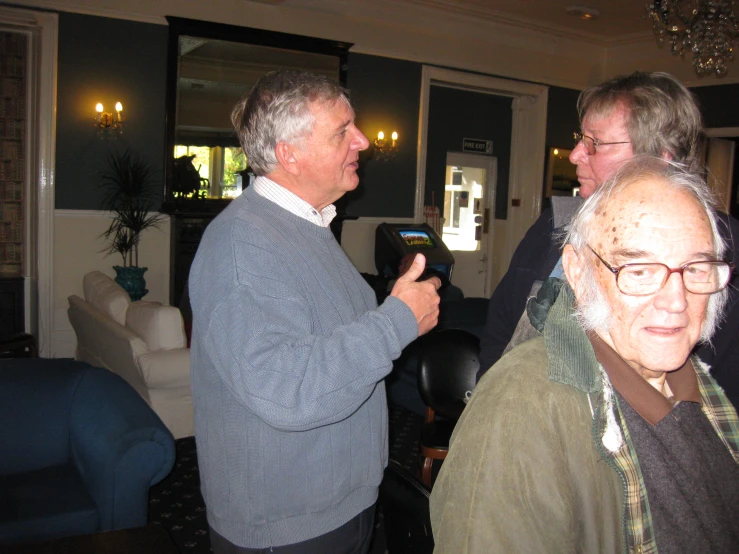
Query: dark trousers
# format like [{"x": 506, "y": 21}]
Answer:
[{"x": 353, "y": 537}]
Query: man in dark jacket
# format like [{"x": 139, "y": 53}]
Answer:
[{"x": 642, "y": 113}]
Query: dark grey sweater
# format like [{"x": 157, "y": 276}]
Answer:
[{"x": 288, "y": 355}]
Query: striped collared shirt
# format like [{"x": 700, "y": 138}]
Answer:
[{"x": 293, "y": 203}]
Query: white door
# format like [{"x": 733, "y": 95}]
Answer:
[{"x": 469, "y": 202}]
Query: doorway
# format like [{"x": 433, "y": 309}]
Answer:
[
  {"x": 469, "y": 202},
  {"x": 526, "y": 168}
]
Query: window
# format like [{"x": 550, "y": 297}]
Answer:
[
  {"x": 234, "y": 161},
  {"x": 219, "y": 168}
]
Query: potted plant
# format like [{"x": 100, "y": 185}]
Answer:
[{"x": 130, "y": 188}]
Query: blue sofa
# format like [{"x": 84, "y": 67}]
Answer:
[{"x": 80, "y": 449}]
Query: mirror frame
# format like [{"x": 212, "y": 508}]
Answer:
[{"x": 219, "y": 31}]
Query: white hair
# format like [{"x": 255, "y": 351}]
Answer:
[
  {"x": 593, "y": 311},
  {"x": 278, "y": 110}
]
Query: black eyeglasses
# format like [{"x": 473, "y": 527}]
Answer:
[
  {"x": 591, "y": 143},
  {"x": 706, "y": 277}
]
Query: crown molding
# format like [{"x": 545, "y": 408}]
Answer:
[
  {"x": 414, "y": 13},
  {"x": 477, "y": 13},
  {"x": 18, "y": 17},
  {"x": 426, "y": 14},
  {"x": 443, "y": 33},
  {"x": 91, "y": 8}
]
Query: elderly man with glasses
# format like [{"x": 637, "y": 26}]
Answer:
[
  {"x": 604, "y": 434},
  {"x": 642, "y": 113}
]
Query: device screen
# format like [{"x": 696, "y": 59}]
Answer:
[{"x": 416, "y": 238}]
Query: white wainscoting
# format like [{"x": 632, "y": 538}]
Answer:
[{"x": 77, "y": 250}]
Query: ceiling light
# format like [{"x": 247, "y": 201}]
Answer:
[{"x": 583, "y": 12}]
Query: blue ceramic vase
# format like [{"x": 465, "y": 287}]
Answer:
[{"x": 131, "y": 279}]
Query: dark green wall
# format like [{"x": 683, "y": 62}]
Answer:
[
  {"x": 386, "y": 95},
  {"x": 562, "y": 118},
  {"x": 106, "y": 60},
  {"x": 102, "y": 59},
  {"x": 719, "y": 105},
  {"x": 458, "y": 114}
]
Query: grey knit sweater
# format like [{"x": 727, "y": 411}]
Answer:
[{"x": 288, "y": 355}]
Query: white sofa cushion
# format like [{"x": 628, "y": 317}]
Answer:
[
  {"x": 106, "y": 295},
  {"x": 161, "y": 327},
  {"x": 166, "y": 368}
]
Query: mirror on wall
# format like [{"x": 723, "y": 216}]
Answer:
[
  {"x": 211, "y": 66},
  {"x": 561, "y": 177}
]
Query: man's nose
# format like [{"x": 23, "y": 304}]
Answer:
[
  {"x": 578, "y": 154},
  {"x": 673, "y": 296},
  {"x": 360, "y": 142}
]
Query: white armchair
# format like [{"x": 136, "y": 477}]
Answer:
[{"x": 143, "y": 342}]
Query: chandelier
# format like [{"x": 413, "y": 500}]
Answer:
[{"x": 707, "y": 28}]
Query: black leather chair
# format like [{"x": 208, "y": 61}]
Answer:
[
  {"x": 468, "y": 314},
  {"x": 448, "y": 364},
  {"x": 405, "y": 507}
]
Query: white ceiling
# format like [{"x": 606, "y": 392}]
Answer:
[
  {"x": 618, "y": 19},
  {"x": 532, "y": 40}
]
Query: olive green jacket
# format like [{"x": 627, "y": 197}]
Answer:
[{"x": 527, "y": 471}]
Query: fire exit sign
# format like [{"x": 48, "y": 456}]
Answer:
[{"x": 480, "y": 146}]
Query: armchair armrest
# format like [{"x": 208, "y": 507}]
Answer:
[
  {"x": 166, "y": 368},
  {"x": 120, "y": 447}
]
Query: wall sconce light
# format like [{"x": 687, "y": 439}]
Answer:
[
  {"x": 106, "y": 121},
  {"x": 386, "y": 149}
]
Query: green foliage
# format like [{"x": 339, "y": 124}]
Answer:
[
  {"x": 130, "y": 187},
  {"x": 234, "y": 160}
]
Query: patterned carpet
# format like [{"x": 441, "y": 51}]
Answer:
[{"x": 176, "y": 502}]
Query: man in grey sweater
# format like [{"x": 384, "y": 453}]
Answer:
[{"x": 289, "y": 348}]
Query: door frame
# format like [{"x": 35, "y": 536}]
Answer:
[
  {"x": 528, "y": 145},
  {"x": 723, "y": 132},
  {"x": 39, "y": 281}
]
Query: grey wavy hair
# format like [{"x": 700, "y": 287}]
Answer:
[
  {"x": 277, "y": 110},
  {"x": 662, "y": 115},
  {"x": 591, "y": 311}
]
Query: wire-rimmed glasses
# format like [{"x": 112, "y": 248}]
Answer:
[{"x": 591, "y": 143}]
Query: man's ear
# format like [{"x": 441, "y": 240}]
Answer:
[
  {"x": 574, "y": 266},
  {"x": 286, "y": 157}
]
